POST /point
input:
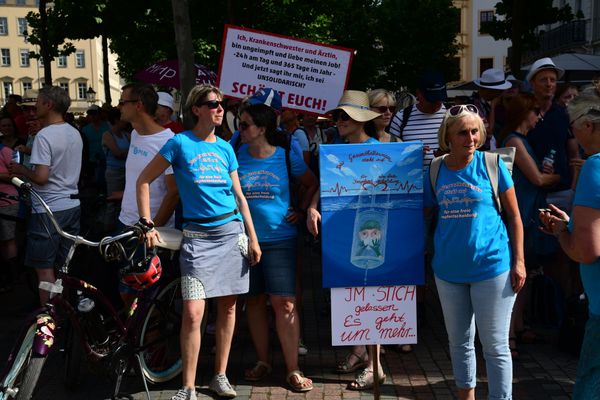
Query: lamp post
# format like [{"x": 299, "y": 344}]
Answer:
[{"x": 91, "y": 95}]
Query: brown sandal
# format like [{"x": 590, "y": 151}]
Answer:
[
  {"x": 298, "y": 382},
  {"x": 364, "y": 380},
  {"x": 352, "y": 362},
  {"x": 260, "y": 371}
]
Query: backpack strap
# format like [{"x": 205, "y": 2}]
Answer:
[
  {"x": 405, "y": 117},
  {"x": 434, "y": 171},
  {"x": 491, "y": 165},
  {"x": 237, "y": 144},
  {"x": 288, "y": 166}
]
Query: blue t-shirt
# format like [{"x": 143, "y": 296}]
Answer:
[
  {"x": 266, "y": 187},
  {"x": 471, "y": 242},
  {"x": 294, "y": 145},
  {"x": 587, "y": 194},
  {"x": 202, "y": 172}
]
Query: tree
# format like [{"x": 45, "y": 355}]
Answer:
[
  {"x": 185, "y": 55},
  {"x": 519, "y": 21}
]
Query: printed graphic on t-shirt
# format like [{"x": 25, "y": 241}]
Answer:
[
  {"x": 261, "y": 184},
  {"x": 456, "y": 201},
  {"x": 208, "y": 167}
]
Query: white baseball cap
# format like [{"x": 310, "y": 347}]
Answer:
[{"x": 165, "y": 99}]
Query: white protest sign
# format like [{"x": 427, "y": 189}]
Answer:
[
  {"x": 373, "y": 315},
  {"x": 309, "y": 76}
]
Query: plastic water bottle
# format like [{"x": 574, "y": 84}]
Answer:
[
  {"x": 549, "y": 159},
  {"x": 16, "y": 157}
]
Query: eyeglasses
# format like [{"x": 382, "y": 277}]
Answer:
[
  {"x": 244, "y": 125},
  {"x": 340, "y": 114},
  {"x": 461, "y": 108},
  {"x": 383, "y": 109},
  {"x": 121, "y": 101},
  {"x": 211, "y": 104}
]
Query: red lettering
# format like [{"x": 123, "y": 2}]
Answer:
[{"x": 359, "y": 334}]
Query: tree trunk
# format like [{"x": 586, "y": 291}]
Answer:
[
  {"x": 44, "y": 50},
  {"x": 105, "y": 71},
  {"x": 517, "y": 38},
  {"x": 185, "y": 52}
]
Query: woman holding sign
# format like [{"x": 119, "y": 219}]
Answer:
[
  {"x": 266, "y": 168},
  {"x": 351, "y": 115},
  {"x": 478, "y": 263}
]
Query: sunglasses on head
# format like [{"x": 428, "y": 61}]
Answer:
[
  {"x": 340, "y": 114},
  {"x": 383, "y": 109},
  {"x": 211, "y": 104},
  {"x": 244, "y": 125},
  {"x": 461, "y": 108}
]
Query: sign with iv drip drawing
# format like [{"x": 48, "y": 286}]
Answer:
[
  {"x": 373, "y": 240},
  {"x": 309, "y": 76}
]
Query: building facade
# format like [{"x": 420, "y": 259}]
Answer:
[
  {"x": 478, "y": 52},
  {"x": 80, "y": 73}
]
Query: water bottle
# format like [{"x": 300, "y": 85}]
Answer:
[
  {"x": 16, "y": 157},
  {"x": 549, "y": 159},
  {"x": 92, "y": 321}
]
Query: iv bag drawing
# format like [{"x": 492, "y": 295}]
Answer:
[{"x": 369, "y": 233}]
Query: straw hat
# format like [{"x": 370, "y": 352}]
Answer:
[{"x": 356, "y": 104}]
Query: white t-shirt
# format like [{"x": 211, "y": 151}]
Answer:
[
  {"x": 58, "y": 146},
  {"x": 142, "y": 150}
]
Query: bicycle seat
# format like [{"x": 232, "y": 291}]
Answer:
[{"x": 170, "y": 238}]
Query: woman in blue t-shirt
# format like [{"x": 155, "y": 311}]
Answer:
[
  {"x": 214, "y": 244},
  {"x": 264, "y": 170},
  {"x": 579, "y": 234},
  {"x": 478, "y": 265}
]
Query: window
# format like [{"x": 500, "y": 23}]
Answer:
[
  {"x": 485, "y": 16},
  {"x": 62, "y": 61},
  {"x": 7, "y": 88},
  {"x": 41, "y": 61},
  {"x": 64, "y": 86},
  {"x": 21, "y": 2},
  {"x": 80, "y": 59},
  {"x": 24, "y": 58},
  {"x": 485, "y": 63},
  {"x": 21, "y": 26},
  {"x": 3, "y": 26},
  {"x": 5, "y": 57},
  {"x": 2, "y": 1},
  {"x": 82, "y": 91},
  {"x": 26, "y": 86}
]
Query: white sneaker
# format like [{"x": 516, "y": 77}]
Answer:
[
  {"x": 221, "y": 386},
  {"x": 185, "y": 394}
]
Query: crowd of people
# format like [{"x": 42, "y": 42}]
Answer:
[{"x": 242, "y": 186}]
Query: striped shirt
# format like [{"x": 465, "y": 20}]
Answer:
[{"x": 420, "y": 126}]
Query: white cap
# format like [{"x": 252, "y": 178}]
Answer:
[
  {"x": 165, "y": 99},
  {"x": 544, "y": 63}
]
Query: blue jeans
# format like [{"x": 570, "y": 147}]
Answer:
[{"x": 490, "y": 302}]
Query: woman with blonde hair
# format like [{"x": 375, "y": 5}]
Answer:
[{"x": 383, "y": 102}]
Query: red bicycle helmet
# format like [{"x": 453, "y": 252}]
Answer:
[{"x": 142, "y": 275}]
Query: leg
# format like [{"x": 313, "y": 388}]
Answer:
[
  {"x": 458, "y": 318},
  {"x": 493, "y": 301},
  {"x": 45, "y": 275},
  {"x": 224, "y": 332},
  {"x": 193, "y": 311},
  {"x": 288, "y": 329},
  {"x": 256, "y": 310}
]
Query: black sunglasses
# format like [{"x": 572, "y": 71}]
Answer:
[
  {"x": 461, "y": 108},
  {"x": 211, "y": 104},
  {"x": 340, "y": 114},
  {"x": 121, "y": 102},
  {"x": 244, "y": 125},
  {"x": 383, "y": 109}
]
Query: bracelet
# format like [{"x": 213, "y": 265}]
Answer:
[{"x": 146, "y": 224}]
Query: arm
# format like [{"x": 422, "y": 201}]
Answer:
[
  {"x": 109, "y": 142},
  {"x": 515, "y": 232},
  {"x": 309, "y": 182},
  {"x": 582, "y": 244},
  {"x": 148, "y": 175},
  {"x": 169, "y": 202},
  {"x": 313, "y": 217},
  {"x": 573, "y": 154},
  {"x": 253, "y": 246},
  {"x": 527, "y": 165},
  {"x": 38, "y": 175}
]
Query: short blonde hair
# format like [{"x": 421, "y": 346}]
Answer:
[
  {"x": 376, "y": 95},
  {"x": 450, "y": 120},
  {"x": 197, "y": 95}
]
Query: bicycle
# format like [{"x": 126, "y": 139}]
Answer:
[{"x": 148, "y": 335}]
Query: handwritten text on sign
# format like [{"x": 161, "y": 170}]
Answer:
[
  {"x": 309, "y": 76},
  {"x": 373, "y": 315}
]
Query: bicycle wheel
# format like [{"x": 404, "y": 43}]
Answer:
[
  {"x": 73, "y": 359},
  {"x": 161, "y": 357},
  {"x": 22, "y": 377}
]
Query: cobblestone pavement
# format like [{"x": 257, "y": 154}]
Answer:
[{"x": 541, "y": 372}]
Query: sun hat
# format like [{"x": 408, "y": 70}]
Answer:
[
  {"x": 356, "y": 104},
  {"x": 433, "y": 86},
  {"x": 267, "y": 96},
  {"x": 493, "y": 78},
  {"x": 544, "y": 63},
  {"x": 165, "y": 100},
  {"x": 29, "y": 98}
]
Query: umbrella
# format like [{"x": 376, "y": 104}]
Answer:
[
  {"x": 166, "y": 73},
  {"x": 578, "y": 67}
]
